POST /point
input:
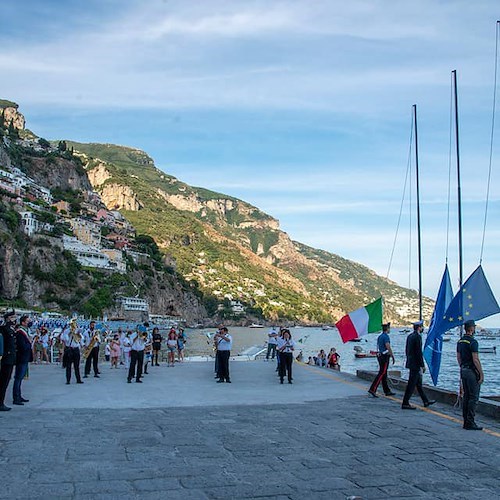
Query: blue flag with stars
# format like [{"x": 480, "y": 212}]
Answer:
[
  {"x": 433, "y": 347},
  {"x": 473, "y": 301}
]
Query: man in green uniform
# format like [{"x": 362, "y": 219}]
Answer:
[{"x": 471, "y": 374}]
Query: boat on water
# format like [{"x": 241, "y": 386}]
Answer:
[
  {"x": 360, "y": 353},
  {"x": 256, "y": 325},
  {"x": 327, "y": 327},
  {"x": 488, "y": 350}
]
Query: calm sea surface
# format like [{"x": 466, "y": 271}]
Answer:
[{"x": 314, "y": 339}]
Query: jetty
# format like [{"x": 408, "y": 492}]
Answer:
[{"x": 181, "y": 435}]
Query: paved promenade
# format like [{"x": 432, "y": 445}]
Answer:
[{"x": 181, "y": 435}]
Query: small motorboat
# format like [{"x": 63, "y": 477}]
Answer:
[
  {"x": 255, "y": 325},
  {"x": 359, "y": 352},
  {"x": 488, "y": 349}
]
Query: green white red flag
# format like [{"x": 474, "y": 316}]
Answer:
[{"x": 367, "y": 319}]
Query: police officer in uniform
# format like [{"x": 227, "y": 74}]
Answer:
[
  {"x": 415, "y": 363},
  {"x": 471, "y": 374},
  {"x": 8, "y": 332},
  {"x": 384, "y": 355}
]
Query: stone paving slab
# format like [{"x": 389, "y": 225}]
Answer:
[{"x": 337, "y": 444}]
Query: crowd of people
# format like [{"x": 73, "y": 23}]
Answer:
[{"x": 27, "y": 341}]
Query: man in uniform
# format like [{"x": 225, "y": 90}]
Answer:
[
  {"x": 415, "y": 363},
  {"x": 8, "y": 332},
  {"x": 471, "y": 374},
  {"x": 384, "y": 355},
  {"x": 138, "y": 339},
  {"x": 24, "y": 356},
  {"x": 224, "y": 344},
  {"x": 72, "y": 342},
  {"x": 93, "y": 357}
]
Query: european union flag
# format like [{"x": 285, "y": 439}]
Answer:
[
  {"x": 433, "y": 347},
  {"x": 473, "y": 301}
]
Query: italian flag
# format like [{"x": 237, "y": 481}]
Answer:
[{"x": 367, "y": 319}]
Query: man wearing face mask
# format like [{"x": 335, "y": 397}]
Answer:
[
  {"x": 23, "y": 357},
  {"x": 8, "y": 332}
]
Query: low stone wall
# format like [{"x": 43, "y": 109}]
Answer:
[{"x": 489, "y": 407}]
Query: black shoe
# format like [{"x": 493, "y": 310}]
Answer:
[
  {"x": 429, "y": 403},
  {"x": 5, "y": 408},
  {"x": 157, "y": 364},
  {"x": 373, "y": 394},
  {"x": 96, "y": 376},
  {"x": 138, "y": 381},
  {"x": 220, "y": 381},
  {"x": 391, "y": 394},
  {"x": 129, "y": 381},
  {"x": 18, "y": 403},
  {"x": 473, "y": 427},
  {"x": 408, "y": 407},
  {"x": 79, "y": 381},
  {"x": 281, "y": 381},
  {"x": 67, "y": 382},
  {"x": 121, "y": 363},
  {"x": 290, "y": 382},
  {"x": 85, "y": 376},
  {"x": 228, "y": 381},
  {"x": 146, "y": 373},
  {"x": 25, "y": 400}
]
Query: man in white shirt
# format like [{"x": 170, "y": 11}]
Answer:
[
  {"x": 224, "y": 344},
  {"x": 138, "y": 339},
  {"x": 93, "y": 356},
  {"x": 72, "y": 342},
  {"x": 272, "y": 340}
]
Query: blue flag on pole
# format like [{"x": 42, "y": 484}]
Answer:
[
  {"x": 433, "y": 347},
  {"x": 473, "y": 301}
]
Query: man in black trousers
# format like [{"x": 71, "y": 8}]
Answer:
[
  {"x": 224, "y": 344},
  {"x": 415, "y": 363},
  {"x": 93, "y": 357},
  {"x": 8, "y": 332}
]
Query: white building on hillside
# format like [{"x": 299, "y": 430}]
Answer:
[{"x": 31, "y": 225}]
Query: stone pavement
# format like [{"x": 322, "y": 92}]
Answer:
[{"x": 251, "y": 439}]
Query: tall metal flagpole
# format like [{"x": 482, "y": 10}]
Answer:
[
  {"x": 418, "y": 218},
  {"x": 459, "y": 189}
]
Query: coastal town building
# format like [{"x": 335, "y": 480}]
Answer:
[
  {"x": 31, "y": 225},
  {"x": 86, "y": 231},
  {"x": 134, "y": 304},
  {"x": 115, "y": 259},
  {"x": 61, "y": 206},
  {"x": 87, "y": 255}
]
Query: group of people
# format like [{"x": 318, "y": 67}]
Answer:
[
  {"x": 135, "y": 349},
  {"x": 330, "y": 360},
  {"x": 471, "y": 371},
  {"x": 281, "y": 345}
]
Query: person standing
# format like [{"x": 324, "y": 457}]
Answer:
[
  {"x": 72, "y": 342},
  {"x": 224, "y": 344},
  {"x": 24, "y": 356},
  {"x": 181, "y": 341},
  {"x": 8, "y": 332},
  {"x": 91, "y": 335},
  {"x": 415, "y": 363},
  {"x": 286, "y": 346},
  {"x": 272, "y": 340},
  {"x": 384, "y": 355},
  {"x": 138, "y": 340},
  {"x": 157, "y": 340},
  {"x": 471, "y": 375}
]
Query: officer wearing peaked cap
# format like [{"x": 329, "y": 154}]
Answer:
[{"x": 8, "y": 332}]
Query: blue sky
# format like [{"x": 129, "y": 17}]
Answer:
[{"x": 300, "y": 108}]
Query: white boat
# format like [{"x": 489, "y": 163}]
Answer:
[
  {"x": 256, "y": 325},
  {"x": 488, "y": 349}
]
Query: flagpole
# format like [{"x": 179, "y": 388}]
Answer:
[
  {"x": 418, "y": 218},
  {"x": 459, "y": 190}
]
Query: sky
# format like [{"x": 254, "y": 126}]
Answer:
[{"x": 301, "y": 108}]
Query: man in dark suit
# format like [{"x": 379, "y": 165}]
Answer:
[
  {"x": 415, "y": 363},
  {"x": 23, "y": 358},
  {"x": 8, "y": 332}
]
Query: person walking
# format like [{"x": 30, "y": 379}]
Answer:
[
  {"x": 24, "y": 356},
  {"x": 157, "y": 340},
  {"x": 415, "y": 363},
  {"x": 471, "y": 375},
  {"x": 224, "y": 344},
  {"x": 8, "y": 332},
  {"x": 384, "y": 355},
  {"x": 285, "y": 348}
]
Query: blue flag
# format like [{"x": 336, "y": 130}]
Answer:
[
  {"x": 433, "y": 347},
  {"x": 473, "y": 301}
]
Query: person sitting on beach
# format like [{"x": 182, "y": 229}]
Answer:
[
  {"x": 300, "y": 357},
  {"x": 320, "y": 359},
  {"x": 311, "y": 361},
  {"x": 333, "y": 359}
]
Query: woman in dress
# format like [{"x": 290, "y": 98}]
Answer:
[{"x": 115, "y": 350}]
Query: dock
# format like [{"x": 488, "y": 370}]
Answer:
[{"x": 181, "y": 435}]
